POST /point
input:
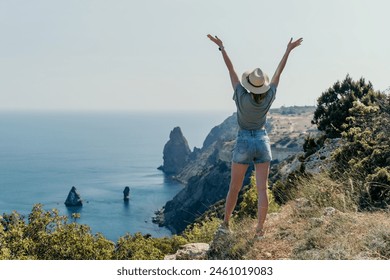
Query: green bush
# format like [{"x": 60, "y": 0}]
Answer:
[
  {"x": 202, "y": 231},
  {"x": 46, "y": 235},
  {"x": 366, "y": 153},
  {"x": 137, "y": 247},
  {"x": 334, "y": 104},
  {"x": 312, "y": 145},
  {"x": 248, "y": 205}
]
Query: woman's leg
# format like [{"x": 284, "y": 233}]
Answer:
[
  {"x": 262, "y": 172},
  {"x": 237, "y": 177}
]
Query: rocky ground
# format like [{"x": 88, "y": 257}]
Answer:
[{"x": 292, "y": 126}]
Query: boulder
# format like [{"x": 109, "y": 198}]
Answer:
[
  {"x": 321, "y": 160},
  {"x": 191, "y": 251},
  {"x": 176, "y": 152},
  {"x": 73, "y": 199}
]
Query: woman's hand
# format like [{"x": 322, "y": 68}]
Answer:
[
  {"x": 216, "y": 40},
  {"x": 292, "y": 45}
]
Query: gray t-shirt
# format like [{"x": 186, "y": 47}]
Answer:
[{"x": 250, "y": 114}]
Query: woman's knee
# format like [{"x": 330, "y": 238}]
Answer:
[{"x": 234, "y": 189}]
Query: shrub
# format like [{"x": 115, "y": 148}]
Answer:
[
  {"x": 137, "y": 247},
  {"x": 46, "y": 235},
  {"x": 202, "y": 231},
  {"x": 367, "y": 151},
  {"x": 49, "y": 236},
  {"x": 334, "y": 104},
  {"x": 312, "y": 145},
  {"x": 248, "y": 205}
]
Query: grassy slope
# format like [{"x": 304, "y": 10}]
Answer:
[{"x": 321, "y": 224}]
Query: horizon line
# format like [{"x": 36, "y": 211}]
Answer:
[{"x": 102, "y": 110}]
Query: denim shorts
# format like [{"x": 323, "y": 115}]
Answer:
[{"x": 252, "y": 146}]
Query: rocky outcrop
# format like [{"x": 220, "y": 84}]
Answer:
[
  {"x": 314, "y": 164},
  {"x": 73, "y": 199},
  {"x": 126, "y": 194},
  {"x": 321, "y": 160},
  {"x": 191, "y": 251},
  {"x": 176, "y": 152}
]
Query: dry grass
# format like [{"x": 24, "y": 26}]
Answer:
[
  {"x": 321, "y": 235},
  {"x": 321, "y": 225},
  {"x": 323, "y": 191}
]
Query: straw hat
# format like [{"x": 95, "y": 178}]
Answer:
[{"x": 255, "y": 81}]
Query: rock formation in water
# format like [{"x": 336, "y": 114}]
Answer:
[
  {"x": 176, "y": 152},
  {"x": 126, "y": 194},
  {"x": 73, "y": 199}
]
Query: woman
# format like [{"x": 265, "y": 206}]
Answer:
[{"x": 253, "y": 97}]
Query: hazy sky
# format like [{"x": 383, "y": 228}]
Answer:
[{"x": 154, "y": 54}]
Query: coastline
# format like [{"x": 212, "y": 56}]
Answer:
[{"x": 44, "y": 154}]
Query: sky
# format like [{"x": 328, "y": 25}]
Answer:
[{"x": 153, "y": 55}]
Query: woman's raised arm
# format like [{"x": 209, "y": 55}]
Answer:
[
  {"x": 290, "y": 46},
  {"x": 233, "y": 75}
]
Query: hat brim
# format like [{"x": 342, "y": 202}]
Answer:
[{"x": 256, "y": 90}]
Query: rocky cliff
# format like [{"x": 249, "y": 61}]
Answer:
[
  {"x": 206, "y": 176},
  {"x": 206, "y": 173},
  {"x": 217, "y": 147},
  {"x": 176, "y": 152}
]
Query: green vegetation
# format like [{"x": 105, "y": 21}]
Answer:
[
  {"x": 144, "y": 247},
  {"x": 334, "y": 104},
  {"x": 202, "y": 231},
  {"x": 365, "y": 128},
  {"x": 324, "y": 215},
  {"x": 366, "y": 152},
  {"x": 360, "y": 116},
  {"x": 248, "y": 206},
  {"x": 48, "y": 236}
]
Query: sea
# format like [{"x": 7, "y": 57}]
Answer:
[{"x": 44, "y": 154}]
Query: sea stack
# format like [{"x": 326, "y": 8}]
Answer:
[
  {"x": 176, "y": 152},
  {"x": 73, "y": 199},
  {"x": 126, "y": 194}
]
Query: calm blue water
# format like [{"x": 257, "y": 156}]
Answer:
[{"x": 42, "y": 155}]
